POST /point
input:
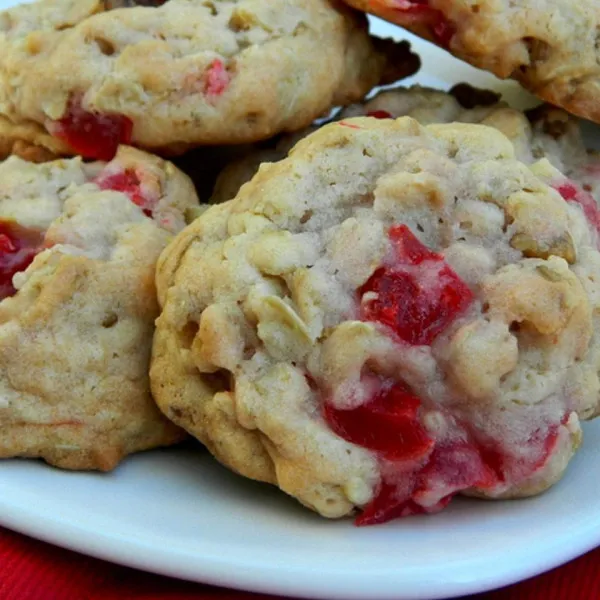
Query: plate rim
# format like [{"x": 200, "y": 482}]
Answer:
[{"x": 331, "y": 584}]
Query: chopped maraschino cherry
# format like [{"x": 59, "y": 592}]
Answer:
[
  {"x": 443, "y": 32},
  {"x": 18, "y": 248},
  {"x": 420, "y": 11},
  {"x": 388, "y": 504},
  {"x": 129, "y": 183},
  {"x": 417, "y": 295},
  {"x": 91, "y": 134},
  {"x": 451, "y": 467},
  {"x": 387, "y": 424},
  {"x": 216, "y": 79},
  {"x": 379, "y": 114},
  {"x": 574, "y": 194},
  {"x": 426, "y": 456}
]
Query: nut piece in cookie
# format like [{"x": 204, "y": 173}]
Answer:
[
  {"x": 78, "y": 249},
  {"x": 550, "y": 47},
  {"x": 390, "y": 316},
  {"x": 84, "y": 77}
]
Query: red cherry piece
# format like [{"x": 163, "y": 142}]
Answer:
[
  {"x": 18, "y": 248},
  {"x": 419, "y": 10},
  {"x": 6, "y": 244},
  {"x": 129, "y": 183},
  {"x": 546, "y": 441},
  {"x": 450, "y": 468},
  {"x": 380, "y": 114},
  {"x": 388, "y": 424},
  {"x": 387, "y": 505},
  {"x": 408, "y": 248},
  {"x": 574, "y": 194},
  {"x": 216, "y": 79},
  {"x": 91, "y": 134},
  {"x": 457, "y": 466},
  {"x": 443, "y": 32},
  {"x": 418, "y": 296}
]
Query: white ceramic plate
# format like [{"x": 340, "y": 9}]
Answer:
[{"x": 178, "y": 513}]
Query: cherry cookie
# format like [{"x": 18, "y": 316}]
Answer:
[
  {"x": 551, "y": 47},
  {"x": 78, "y": 250},
  {"x": 392, "y": 315},
  {"x": 82, "y": 77},
  {"x": 545, "y": 132}
]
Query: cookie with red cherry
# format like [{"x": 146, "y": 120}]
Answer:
[
  {"x": 83, "y": 77},
  {"x": 545, "y": 132},
  {"x": 550, "y": 47},
  {"x": 78, "y": 249},
  {"x": 392, "y": 315}
]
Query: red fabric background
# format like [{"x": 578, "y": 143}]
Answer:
[{"x": 32, "y": 570}]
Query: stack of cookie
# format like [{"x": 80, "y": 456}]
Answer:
[{"x": 375, "y": 313}]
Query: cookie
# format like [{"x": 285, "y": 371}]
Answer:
[
  {"x": 545, "y": 132},
  {"x": 392, "y": 315},
  {"x": 237, "y": 171},
  {"x": 80, "y": 77},
  {"x": 551, "y": 47},
  {"x": 78, "y": 250}
]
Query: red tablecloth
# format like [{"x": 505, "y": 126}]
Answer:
[{"x": 32, "y": 570}]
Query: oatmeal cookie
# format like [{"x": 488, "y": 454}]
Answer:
[
  {"x": 545, "y": 132},
  {"x": 393, "y": 314},
  {"x": 82, "y": 76},
  {"x": 550, "y": 46},
  {"x": 241, "y": 169},
  {"x": 78, "y": 250}
]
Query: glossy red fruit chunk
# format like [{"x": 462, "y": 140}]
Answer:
[
  {"x": 129, "y": 183},
  {"x": 420, "y": 11},
  {"x": 408, "y": 248},
  {"x": 18, "y": 248},
  {"x": 443, "y": 32},
  {"x": 418, "y": 295},
  {"x": 452, "y": 467},
  {"x": 388, "y": 424},
  {"x": 572, "y": 193},
  {"x": 388, "y": 505},
  {"x": 457, "y": 466},
  {"x": 216, "y": 79},
  {"x": 91, "y": 134},
  {"x": 379, "y": 114},
  {"x": 545, "y": 441}
]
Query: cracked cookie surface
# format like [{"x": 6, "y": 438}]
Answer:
[
  {"x": 82, "y": 76},
  {"x": 392, "y": 315},
  {"x": 78, "y": 250},
  {"x": 552, "y": 47}
]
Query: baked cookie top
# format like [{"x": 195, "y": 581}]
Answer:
[
  {"x": 545, "y": 132},
  {"x": 82, "y": 76},
  {"x": 550, "y": 46},
  {"x": 391, "y": 315},
  {"x": 78, "y": 250}
]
